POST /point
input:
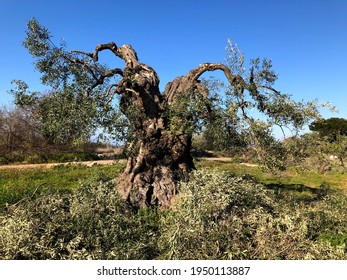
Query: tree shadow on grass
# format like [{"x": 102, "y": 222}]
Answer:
[{"x": 299, "y": 192}]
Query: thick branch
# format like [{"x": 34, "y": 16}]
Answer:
[
  {"x": 107, "y": 74},
  {"x": 269, "y": 88},
  {"x": 99, "y": 79},
  {"x": 109, "y": 93},
  {"x": 202, "y": 68},
  {"x": 126, "y": 52},
  {"x": 84, "y": 64},
  {"x": 189, "y": 81},
  {"x": 95, "y": 55}
]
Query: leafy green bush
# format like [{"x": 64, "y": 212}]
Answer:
[
  {"x": 92, "y": 223},
  {"x": 33, "y": 159},
  {"x": 218, "y": 216},
  {"x": 3, "y": 160}
]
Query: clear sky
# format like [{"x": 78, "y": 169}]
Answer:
[{"x": 306, "y": 39}]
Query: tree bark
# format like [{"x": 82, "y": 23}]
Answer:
[{"x": 160, "y": 157}]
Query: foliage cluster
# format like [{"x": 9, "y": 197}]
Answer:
[
  {"x": 243, "y": 119},
  {"x": 222, "y": 217},
  {"x": 332, "y": 140},
  {"x": 215, "y": 216},
  {"x": 331, "y": 128},
  {"x": 19, "y": 135},
  {"x": 71, "y": 110}
]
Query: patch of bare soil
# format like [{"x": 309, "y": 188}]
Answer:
[
  {"x": 226, "y": 159},
  {"x": 249, "y": 164}
]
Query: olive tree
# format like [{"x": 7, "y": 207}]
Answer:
[{"x": 159, "y": 125}]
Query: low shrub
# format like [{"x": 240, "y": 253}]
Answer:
[
  {"x": 4, "y": 160},
  {"x": 91, "y": 223},
  {"x": 218, "y": 216},
  {"x": 35, "y": 159}
]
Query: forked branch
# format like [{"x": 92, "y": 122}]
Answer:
[
  {"x": 189, "y": 81},
  {"x": 95, "y": 55},
  {"x": 126, "y": 53},
  {"x": 98, "y": 77}
]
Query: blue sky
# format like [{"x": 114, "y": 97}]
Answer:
[{"x": 306, "y": 39}]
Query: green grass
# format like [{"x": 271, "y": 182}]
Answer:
[
  {"x": 16, "y": 184},
  {"x": 289, "y": 177}
]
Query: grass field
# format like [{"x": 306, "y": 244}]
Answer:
[
  {"x": 289, "y": 177},
  {"x": 16, "y": 184}
]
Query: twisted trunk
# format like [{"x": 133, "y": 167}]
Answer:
[
  {"x": 160, "y": 155},
  {"x": 159, "y": 158}
]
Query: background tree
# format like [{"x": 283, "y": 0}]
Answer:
[
  {"x": 160, "y": 125},
  {"x": 46, "y": 126},
  {"x": 332, "y": 128},
  {"x": 333, "y": 137},
  {"x": 220, "y": 134},
  {"x": 64, "y": 119},
  {"x": 19, "y": 135}
]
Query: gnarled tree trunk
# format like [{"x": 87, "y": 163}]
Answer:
[{"x": 161, "y": 156}]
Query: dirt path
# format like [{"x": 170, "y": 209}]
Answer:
[
  {"x": 226, "y": 159},
  {"x": 98, "y": 162},
  {"x": 217, "y": 158},
  {"x": 49, "y": 165}
]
